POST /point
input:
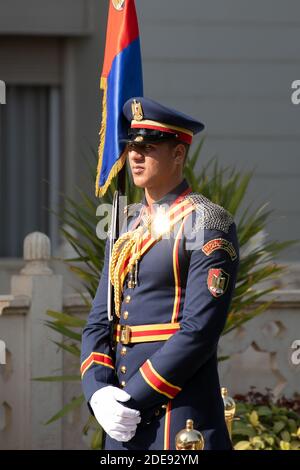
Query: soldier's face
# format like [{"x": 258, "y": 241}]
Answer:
[{"x": 151, "y": 164}]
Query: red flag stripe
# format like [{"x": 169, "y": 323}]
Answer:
[{"x": 122, "y": 29}]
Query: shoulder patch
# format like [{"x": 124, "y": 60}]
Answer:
[
  {"x": 217, "y": 281},
  {"x": 219, "y": 244},
  {"x": 208, "y": 214}
]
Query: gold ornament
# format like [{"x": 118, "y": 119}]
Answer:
[
  {"x": 229, "y": 409},
  {"x": 118, "y": 4},
  {"x": 189, "y": 438}
]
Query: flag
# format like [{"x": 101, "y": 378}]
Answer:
[{"x": 121, "y": 79}]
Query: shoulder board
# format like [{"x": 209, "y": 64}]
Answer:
[{"x": 208, "y": 214}]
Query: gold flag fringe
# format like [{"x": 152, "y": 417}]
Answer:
[{"x": 101, "y": 190}]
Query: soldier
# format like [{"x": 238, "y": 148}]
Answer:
[{"x": 173, "y": 269}]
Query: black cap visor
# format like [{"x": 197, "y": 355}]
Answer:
[{"x": 145, "y": 136}]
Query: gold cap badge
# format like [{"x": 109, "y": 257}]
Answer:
[{"x": 137, "y": 110}]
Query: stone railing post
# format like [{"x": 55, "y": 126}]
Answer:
[{"x": 42, "y": 358}]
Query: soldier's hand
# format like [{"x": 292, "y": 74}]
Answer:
[{"x": 118, "y": 421}]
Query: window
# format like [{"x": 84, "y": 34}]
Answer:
[{"x": 29, "y": 165}]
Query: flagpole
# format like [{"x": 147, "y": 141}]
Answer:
[
  {"x": 121, "y": 183},
  {"x": 122, "y": 47},
  {"x": 114, "y": 235}
]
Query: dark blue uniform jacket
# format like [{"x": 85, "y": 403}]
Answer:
[{"x": 187, "y": 279}]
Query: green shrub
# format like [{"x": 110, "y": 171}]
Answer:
[{"x": 262, "y": 424}]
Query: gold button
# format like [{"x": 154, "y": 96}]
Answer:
[
  {"x": 127, "y": 299},
  {"x": 125, "y": 315},
  {"x": 123, "y": 351},
  {"x": 123, "y": 369},
  {"x": 123, "y": 383},
  {"x": 156, "y": 412}
]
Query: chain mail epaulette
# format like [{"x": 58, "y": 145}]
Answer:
[{"x": 208, "y": 214}]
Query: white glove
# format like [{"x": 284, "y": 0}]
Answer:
[{"x": 118, "y": 422}]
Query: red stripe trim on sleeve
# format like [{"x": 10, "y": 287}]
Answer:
[
  {"x": 157, "y": 382},
  {"x": 96, "y": 358}
]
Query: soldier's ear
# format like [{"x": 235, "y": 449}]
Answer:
[{"x": 179, "y": 153}]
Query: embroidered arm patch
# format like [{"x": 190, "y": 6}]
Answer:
[
  {"x": 217, "y": 281},
  {"x": 219, "y": 244}
]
